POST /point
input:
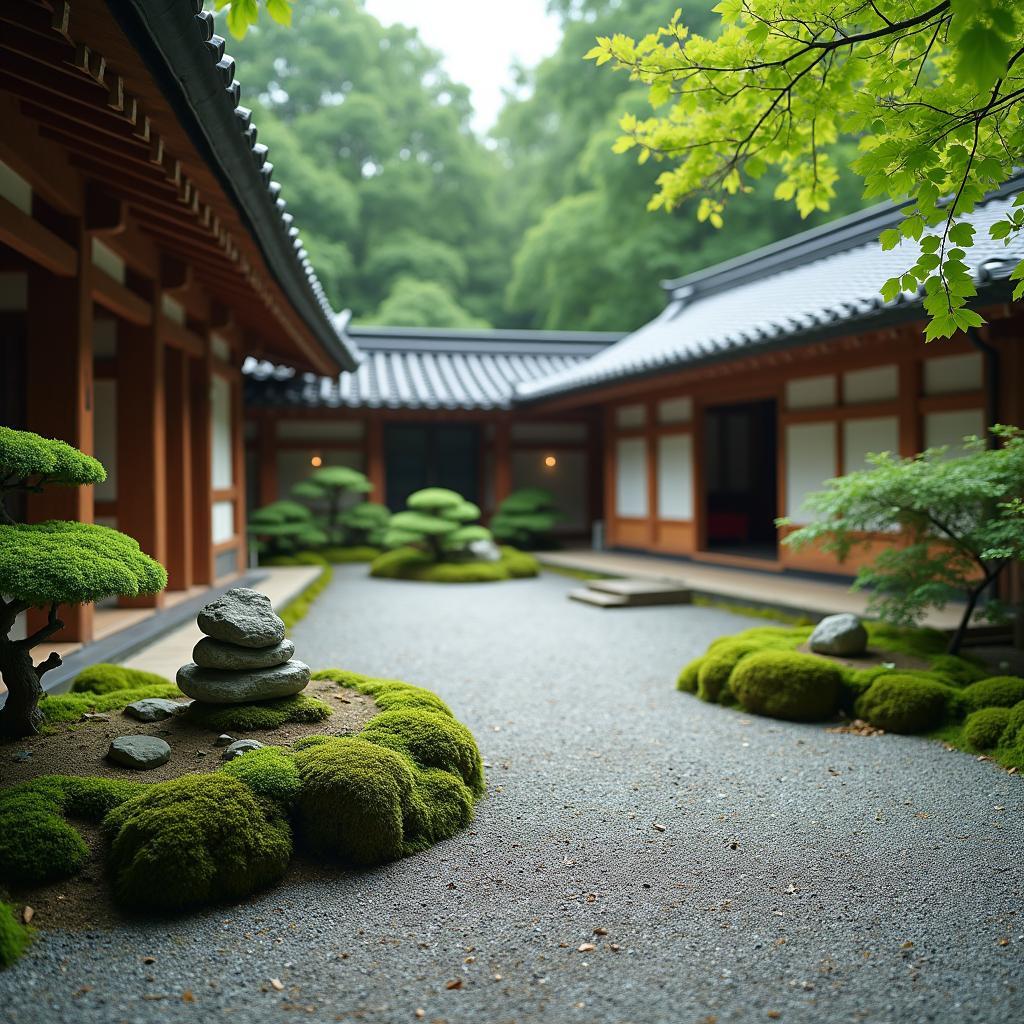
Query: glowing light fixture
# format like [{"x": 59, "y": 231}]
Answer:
[
  {"x": 550, "y": 461},
  {"x": 316, "y": 461}
]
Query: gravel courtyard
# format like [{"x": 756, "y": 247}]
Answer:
[{"x": 640, "y": 856}]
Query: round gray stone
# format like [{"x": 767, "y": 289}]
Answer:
[
  {"x": 240, "y": 747},
  {"x": 211, "y": 686},
  {"x": 244, "y": 617},
  {"x": 154, "y": 709},
  {"x": 140, "y": 752},
  {"x": 843, "y": 636},
  {"x": 210, "y": 653}
]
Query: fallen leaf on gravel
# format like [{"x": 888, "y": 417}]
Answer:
[
  {"x": 791, "y": 888},
  {"x": 497, "y": 977},
  {"x": 27, "y": 914},
  {"x": 187, "y": 997},
  {"x": 907, "y": 945},
  {"x": 277, "y": 984},
  {"x": 1003, "y": 941},
  {"x": 659, "y": 828},
  {"x": 774, "y": 1014},
  {"x": 149, "y": 959},
  {"x": 420, "y": 1012},
  {"x": 600, "y": 931},
  {"x": 454, "y": 983},
  {"x": 585, "y": 947},
  {"x": 614, "y": 947}
]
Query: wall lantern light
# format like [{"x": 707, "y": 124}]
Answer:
[
  {"x": 550, "y": 461},
  {"x": 316, "y": 461}
]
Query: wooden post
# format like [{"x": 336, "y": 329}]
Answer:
[
  {"x": 610, "y": 477},
  {"x": 200, "y": 372},
  {"x": 266, "y": 455},
  {"x": 911, "y": 434},
  {"x": 502, "y": 461},
  {"x": 178, "y": 432},
  {"x": 651, "y": 460},
  {"x": 375, "y": 458},
  {"x": 60, "y": 400},
  {"x": 238, "y": 471},
  {"x": 141, "y": 443}
]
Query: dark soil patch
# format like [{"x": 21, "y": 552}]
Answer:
[{"x": 873, "y": 657}]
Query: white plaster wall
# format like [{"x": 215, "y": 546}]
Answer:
[
  {"x": 810, "y": 461},
  {"x": 223, "y": 521},
  {"x": 877, "y": 434},
  {"x": 811, "y": 392},
  {"x": 675, "y": 410},
  {"x": 948, "y": 375},
  {"x": 950, "y": 428},
  {"x": 631, "y": 477},
  {"x": 875, "y": 384},
  {"x": 220, "y": 438},
  {"x": 629, "y": 416},
  {"x": 675, "y": 477}
]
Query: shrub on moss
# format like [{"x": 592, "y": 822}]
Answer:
[
  {"x": 14, "y": 936},
  {"x": 194, "y": 840},
  {"x": 687, "y": 681},
  {"x": 269, "y": 772},
  {"x": 786, "y": 684},
  {"x": 270, "y": 714},
  {"x": 904, "y": 703},
  {"x": 69, "y": 707},
  {"x": 36, "y": 844},
  {"x": 431, "y": 740},
  {"x": 104, "y": 678},
  {"x": 407, "y": 563},
  {"x": 1013, "y": 734},
  {"x": 995, "y": 692},
  {"x": 353, "y": 800},
  {"x": 983, "y": 729}
]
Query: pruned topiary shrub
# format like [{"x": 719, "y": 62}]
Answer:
[
  {"x": 105, "y": 678},
  {"x": 899, "y": 702},
  {"x": 14, "y": 936},
  {"x": 994, "y": 692},
  {"x": 785, "y": 684},
  {"x": 409, "y": 563},
  {"x": 195, "y": 840},
  {"x": 269, "y": 714},
  {"x": 983, "y": 729}
]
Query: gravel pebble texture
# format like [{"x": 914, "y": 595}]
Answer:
[{"x": 722, "y": 867}]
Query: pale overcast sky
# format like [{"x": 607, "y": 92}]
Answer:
[{"x": 480, "y": 39}]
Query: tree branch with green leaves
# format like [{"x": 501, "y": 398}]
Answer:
[{"x": 930, "y": 91}]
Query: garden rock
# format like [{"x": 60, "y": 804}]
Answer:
[
  {"x": 229, "y": 657},
  {"x": 140, "y": 752},
  {"x": 244, "y": 617},
  {"x": 842, "y": 635},
  {"x": 485, "y": 551},
  {"x": 223, "y": 740},
  {"x": 212, "y": 686},
  {"x": 240, "y": 747},
  {"x": 153, "y": 709}
]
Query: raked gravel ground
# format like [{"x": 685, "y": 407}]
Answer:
[{"x": 801, "y": 875}]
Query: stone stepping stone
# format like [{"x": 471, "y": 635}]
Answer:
[
  {"x": 212, "y": 686},
  {"x": 642, "y": 592},
  {"x": 139, "y": 752},
  {"x": 210, "y": 653},
  {"x": 154, "y": 709},
  {"x": 244, "y": 617}
]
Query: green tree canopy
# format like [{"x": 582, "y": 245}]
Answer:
[
  {"x": 960, "y": 523},
  {"x": 929, "y": 89},
  {"x": 438, "y": 521},
  {"x": 526, "y": 518}
]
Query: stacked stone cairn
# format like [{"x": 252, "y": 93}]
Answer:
[{"x": 244, "y": 656}]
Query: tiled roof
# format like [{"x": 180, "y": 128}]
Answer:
[
  {"x": 813, "y": 285},
  {"x": 420, "y": 368}
]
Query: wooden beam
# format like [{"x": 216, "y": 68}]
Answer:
[
  {"x": 104, "y": 213},
  {"x": 26, "y": 235},
  {"x": 109, "y": 293},
  {"x": 175, "y": 274},
  {"x": 179, "y": 336},
  {"x": 178, "y": 435}
]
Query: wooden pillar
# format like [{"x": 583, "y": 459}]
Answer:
[
  {"x": 141, "y": 443},
  {"x": 595, "y": 462},
  {"x": 651, "y": 455},
  {"x": 59, "y": 400},
  {"x": 238, "y": 471},
  {"x": 178, "y": 433},
  {"x": 610, "y": 477},
  {"x": 200, "y": 371},
  {"x": 502, "y": 461},
  {"x": 266, "y": 456},
  {"x": 700, "y": 519},
  {"x": 911, "y": 434},
  {"x": 375, "y": 458}
]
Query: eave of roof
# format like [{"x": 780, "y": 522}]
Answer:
[{"x": 186, "y": 58}]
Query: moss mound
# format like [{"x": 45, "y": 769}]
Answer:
[
  {"x": 388, "y": 694},
  {"x": 687, "y": 681},
  {"x": 717, "y": 666},
  {"x": 104, "y": 678},
  {"x": 785, "y": 684},
  {"x": 69, "y": 707},
  {"x": 442, "y": 805},
  {"x": 353, "y": 800},
  {"x": 995, "y": 692},
  {"x": 904, "y": 703},
  {"x": 431, "y": 740},
  {"x": 36, "y": 844},
  {"x": 14, "y": 936},
  {"x": 270, "y": 773},
  {"x": 193, "y": 840},
  {"x": 412, "y": 564},
  {"x": 1013, "y": 734},
  {"x": 984, "y": 729},
  {"x": 270, "y": 714}
]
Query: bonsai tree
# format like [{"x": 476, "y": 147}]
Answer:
[
  {"x": 284, "y": 526},
  {"x": 960, "y": 523},
  {"x": 332, "y": 485},
  {"x": 366, "y": 524},
  {"x": 45, "y": 565},
  {"x": 439, "y": 522},
  {"x": 525, "y": 518}
]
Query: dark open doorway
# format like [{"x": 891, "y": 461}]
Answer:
[
  {"x": 418, "y": 455},
  {"x": 740, "y": 473}
]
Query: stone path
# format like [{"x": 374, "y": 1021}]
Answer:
[{"x": 799, "y": 876}]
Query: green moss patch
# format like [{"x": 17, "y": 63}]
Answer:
[
  {"x": 69, "y": 707},
  {"x": 784, "y": 684},
  {"x": 270, "y": 773},
  {"x": 14, "y": 936},
  {"x": 409, "y": 563},
  {"x": 905, "y": 703},
  {"x": 995, "y": 692},
  {"x": 271, "y": 714},
  {"x": 104, "y": 678},
  {"x": 983, "y": 729}
]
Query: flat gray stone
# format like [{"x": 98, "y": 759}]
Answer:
[
  {"x": 210, "y": 653},
  {"x": 842, "y": 636},
  {"x": 211, "y": 686},
  {"x": 240, "y": 747},
  {"x": 154, "y": 709},
  {"x": 140, "y": 752},
  {"x": 244, "y": 617}
]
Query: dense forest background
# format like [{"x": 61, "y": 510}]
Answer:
[{"x": 412, "y": 219}]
